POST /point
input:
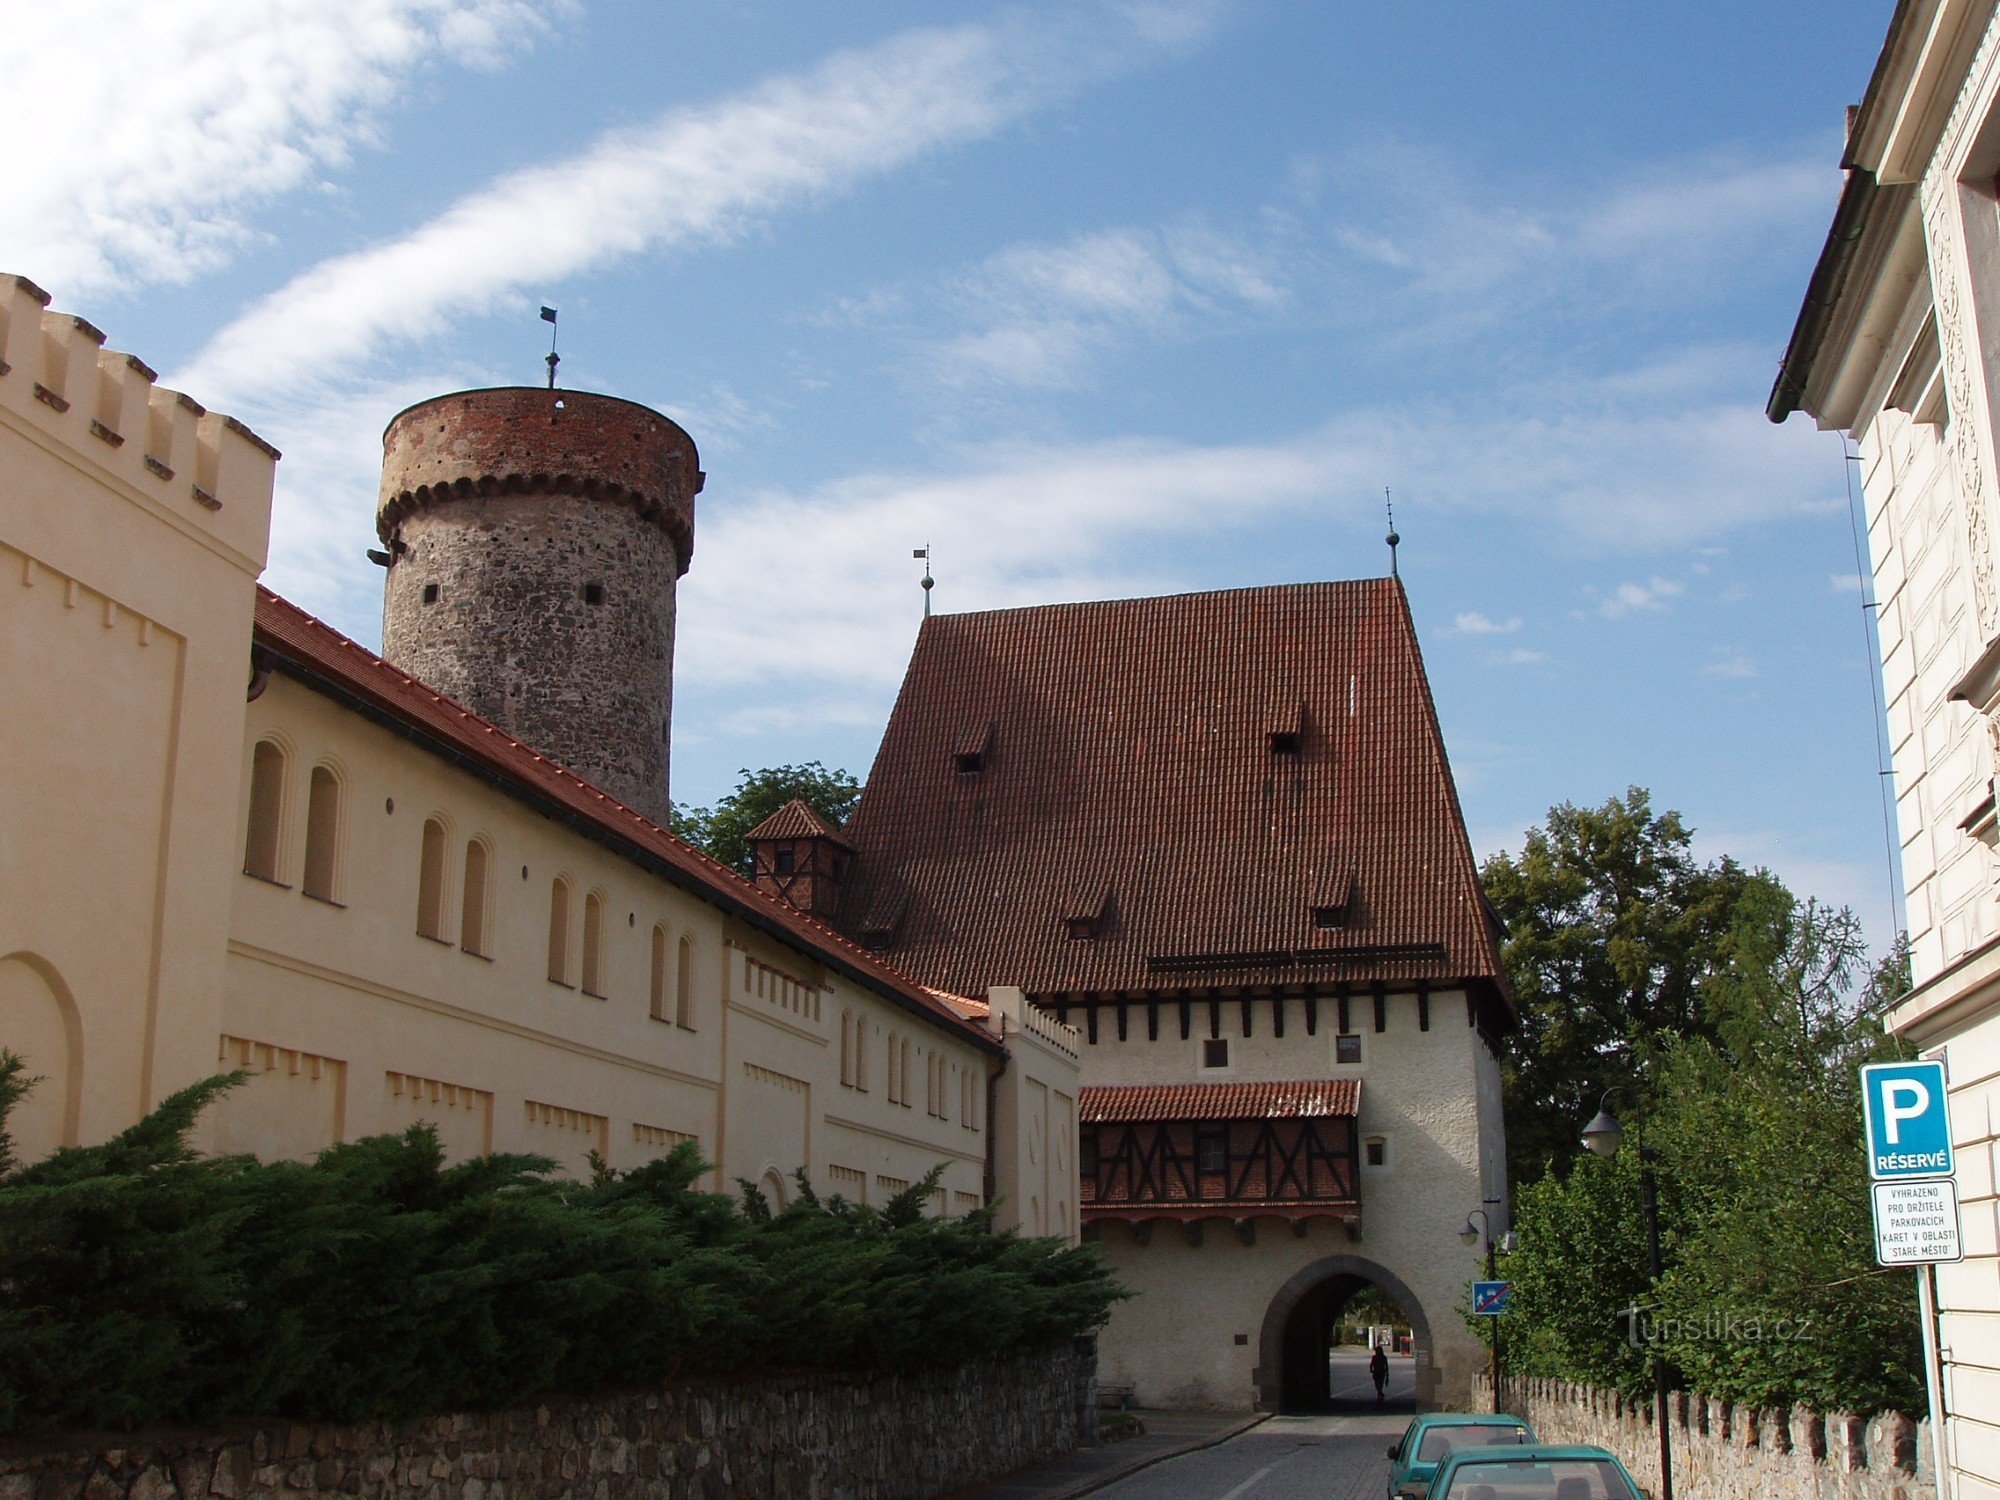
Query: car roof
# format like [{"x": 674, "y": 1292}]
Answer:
[
  {"x": 1471, "y": 1419},
  {"x": 1465, "y": 1457}
]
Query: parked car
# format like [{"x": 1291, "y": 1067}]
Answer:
[
  {"x": 1430, "y": 1437},
  {"x": 1538, "y": 1471}
]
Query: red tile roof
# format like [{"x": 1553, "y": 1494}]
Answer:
[
  {"x": 797, "y": 819},
  {"x": 328, "y": 662},
  {"x": 1130, "y": 754},
  {"x": 1312, "y": 1098}
]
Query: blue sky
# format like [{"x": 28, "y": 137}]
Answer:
[{"x": 1095, "y": 298}]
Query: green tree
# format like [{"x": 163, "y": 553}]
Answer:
[
  {"x": 1770, "y": 1293},
  {"x": 719, "y": 831},
  {"x": 1612, "y": 928}
]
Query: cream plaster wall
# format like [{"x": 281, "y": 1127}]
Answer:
[
  {"x": 491, "y": 1049},
  {"x": 136, "y": 955},
  {"x": 132, "y": 527},
  {"x": 1431, "y": 1096},
  {"x": 1034, "y": 1119}
]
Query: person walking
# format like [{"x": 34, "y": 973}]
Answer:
[{"x": 1378, "y": 1371}]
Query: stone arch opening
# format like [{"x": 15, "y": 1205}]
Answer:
[
  {"x": 1293, "y": 1371},
  {"x": 45, "y": 1030}
]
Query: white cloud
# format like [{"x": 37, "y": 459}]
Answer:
[
  {"x": 146, "y": 132},
  {"x": 1520, "y": 656},
  {"x": 1471, "y": 622},
  {"x": 1845, "y": 583},
  {"x": 1417, "y": 244},
  {"x": 1628, "y": 597},
  {"x": 691, "y": 176},
  {"x": 1731, "y": 664},
  {"x": 1034, "y": 314}
]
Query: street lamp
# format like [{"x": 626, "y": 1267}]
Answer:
[
  {"x": 1602, "y": 1137},
  {"x": 1471, "y": 1234}
]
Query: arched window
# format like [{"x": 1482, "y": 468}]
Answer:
[
  {"x": 593, "y": 945},
  {"x": 267, "y": 810},
  {"x": 661, "y": 1010},
  {"x": 684, "y": 984},
  {"x": 847, "y": 1047},
  {"x": 430, "y": 883},
  {"x": 472, "y": 905},
  {"x": 903, "y": 1074},
  {"x": 861, "y": 1053},
  {"x": 889, "y": 1069},
  {"x": 322, "y": 833},
  {"x": 559, "y": 931}
]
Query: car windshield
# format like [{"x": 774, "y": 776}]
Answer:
[
  {"x": 1439, "y": 1441},
  {"x": 1541, "y": 1479}
]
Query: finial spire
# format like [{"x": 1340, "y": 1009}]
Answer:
[
  {"x": 1393, "y": 539},
  {"x": 553, "y": 359},
  {"x": 929, "y": 583}
]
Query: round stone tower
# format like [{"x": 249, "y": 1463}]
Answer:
[{"x": 534, "y": 541}]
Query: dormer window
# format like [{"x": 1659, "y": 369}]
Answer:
[
  {"x": 1081, "y": 929},
  {"x": 782, "y": 861},
  {"x": 877, "y": 939},
  {"x": 1285, "y": 742},
  {"x": 969, "y": 747},
  {"x": 1328, "y": 918}
]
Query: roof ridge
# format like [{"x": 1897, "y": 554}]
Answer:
[{"x": 1367, "y": 580}]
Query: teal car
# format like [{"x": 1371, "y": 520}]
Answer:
[
  {"x": 1537, "y": 1471},
  {"x": 1430, "y": 1437}
]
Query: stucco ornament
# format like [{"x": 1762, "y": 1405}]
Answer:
[{"x": 1967, "y": 461}]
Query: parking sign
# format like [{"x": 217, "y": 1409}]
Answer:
[{"x": 1909, "y": 1130}]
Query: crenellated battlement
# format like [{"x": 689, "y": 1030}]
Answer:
[
  {"x": 107, "y": 405},
  {"x": 1010, "y": 1012}
]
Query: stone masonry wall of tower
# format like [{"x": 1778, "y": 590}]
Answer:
[{"x": 536, "y": 538}]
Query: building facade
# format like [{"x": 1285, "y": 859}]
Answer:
[
  {"x": 1898, "y": 345},
  {"x": 234, "y": 839},
  {"x": 1217, "y": 835}
]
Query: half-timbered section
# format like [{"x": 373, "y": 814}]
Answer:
[
  {"x": 1222, "y": 1151},
  {"x": 1216, "y": 834}
]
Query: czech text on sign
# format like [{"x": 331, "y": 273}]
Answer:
[
  {"x": 1909, "y": 1131},
  {"x": 1490, "y": 1298},
  {"x": 1916, "y": 1222}
]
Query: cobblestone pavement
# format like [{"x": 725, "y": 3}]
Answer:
[{"x": 1286, "y": 1458}]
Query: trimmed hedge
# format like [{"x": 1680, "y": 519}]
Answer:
[{"x": 141, "y": 1282}]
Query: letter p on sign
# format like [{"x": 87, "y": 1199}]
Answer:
[{"x": 1908, "y": 1124}]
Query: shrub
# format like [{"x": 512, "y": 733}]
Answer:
[{"x": 141, "y": 1282}]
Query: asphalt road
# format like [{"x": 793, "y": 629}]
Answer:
[
  {"x": 1339, "y": 1456},
  {"x": 1286, "y": 1458}
]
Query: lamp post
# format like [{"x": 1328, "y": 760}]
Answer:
[
  {"x": 1469, "y": 1234},
  {"x": 1602, "y": 1137}
]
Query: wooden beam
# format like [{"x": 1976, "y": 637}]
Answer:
[
  {"x": 1423, "y": 1005},
  {"x": 1381, "y": 1009},
  {"x": 1312, "y": 1015},
  {"x": 1341, "y": 994},
  {"x": 1152, "y": 1020}
]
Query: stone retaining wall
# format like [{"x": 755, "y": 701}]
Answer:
[
  {"x": 1723, "y": 1452},
  {"x": 818, "y": 1435}
]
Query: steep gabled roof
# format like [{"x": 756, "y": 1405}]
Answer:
[
  {"x": 328, "y": 662},
  {"x": 1246, "y": 787},
  {"x": 797, "y": 819}
]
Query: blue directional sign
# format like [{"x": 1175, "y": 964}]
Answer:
[
  {"x": 1490, "y": 1298},
  {"x": 1909, "y": 1131}
]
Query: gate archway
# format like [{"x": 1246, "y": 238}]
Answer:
[{"x": 1292, "y": 1348}]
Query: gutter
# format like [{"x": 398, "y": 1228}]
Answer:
[{"x": 1829, "y": 280}]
